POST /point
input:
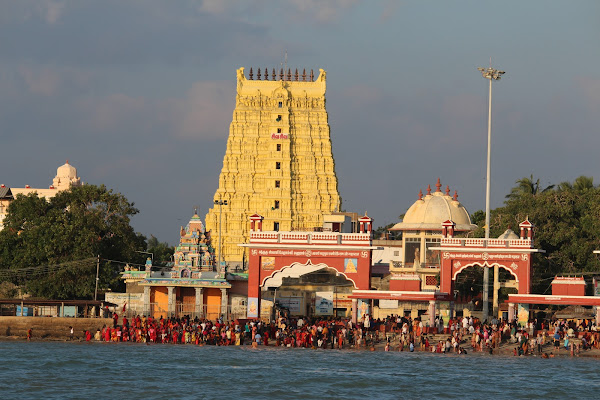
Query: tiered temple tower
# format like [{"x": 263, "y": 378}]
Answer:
[{"x": 278, "y": 161}]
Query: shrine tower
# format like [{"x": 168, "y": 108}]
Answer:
[{"x": 278, "y": 161}]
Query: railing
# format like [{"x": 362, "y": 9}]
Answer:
[
  {"x": 481, "y": 242},
  {"x": 212, "y": 312},
  {"x": 331, "y": 238}
]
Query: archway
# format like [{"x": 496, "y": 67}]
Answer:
[{"x": 314, "y": 290}]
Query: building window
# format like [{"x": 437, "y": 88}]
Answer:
[
  {"x": 278, "y": 118},
  {"x": 276, "y": 206},
  {"x": 276, "y": 226},
  {"x": 277, "y": 184},
  {"x": 280, "y": 104},
  {"x": 396, "y": 253},
  {"x": 277, "y": 165},
  {"x": 278, "y": 146},
  {"x": 278, "y": 130}
]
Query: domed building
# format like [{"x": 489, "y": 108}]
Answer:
[
  {"x": 421, "y": 231},
  {"x": 66, "y": 177}
]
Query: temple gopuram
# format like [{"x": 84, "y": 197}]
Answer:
[
  {"x": 191, "y": 286},
  {"x": 278, "y": 161}
]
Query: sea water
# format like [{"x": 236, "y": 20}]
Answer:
[{"x": 74, "y": 370}]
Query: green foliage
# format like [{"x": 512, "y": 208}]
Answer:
[
  {"x": 162, "y": 252},
  {"x": 77, "y": 224},
  {"x": 567, "y": 221},
  {"x": 383, "y": 231}
]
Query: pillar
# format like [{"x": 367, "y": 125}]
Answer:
[
  {"x": 354, "y": 310},
  {"x": 146, "y": 300},
  {"x": 199, "y": 306},
  {"x": 431, "y": 313},
  {"x": 224, "y": 301},
  {"x": 171, "y": 304},
  {"x": 511, "y": 312},
  {"x": 495, "y": 294},
  {"x": 451, "y": 311},
  {"x": 597, "y": 315}
]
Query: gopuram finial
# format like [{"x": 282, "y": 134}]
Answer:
[
  {"x": 274, "y": 75},
  {"x": 304, "y": 75},
  {"x": 296, "y": 75},
  {"x": 447, "y": 190},
  {"x": 455, "y": 198},
  {"x": 281, "y": 74},
  {"x": 420, "y": 194},
  {"x": 266, "y": 74},
  {"x": 312, "y": 75},
  {"x": 438, "y": 186},
  {"x": 251, "y": 74},
  {"x": 428, "y": 189},
  {"x": 289, "y": 75},
  {"x": 258, "y": 75}
]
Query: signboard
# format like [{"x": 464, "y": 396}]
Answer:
[
  {"x": 279, "y": 136},
  {"x": 363, "y": 308},
  {"x": 252, "y": 307},
  {"x": 294, "y": 304},
  {"x": 385, "y": 303},
  {"x": 324, "y": 303},
  {"x": 486, "y": 256},
  {"x": 267, "y": 263},
  {"x": 596, "y": 282},
  {"x": 309, "y": 253}
]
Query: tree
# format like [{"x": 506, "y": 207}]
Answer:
[
  {"x": 567, "y": 227},
  {"x": 162, "y": 252},
  {"x": 77, "y": 224},
  {"x": 527, "y": 186}
]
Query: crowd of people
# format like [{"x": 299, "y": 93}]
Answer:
[{"x": 396, "y": 332}]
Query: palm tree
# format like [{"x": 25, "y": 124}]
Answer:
[
  {"x": 527, "y": 186},
  {"x": 580, "y": 184}
]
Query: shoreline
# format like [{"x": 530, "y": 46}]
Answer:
[{"x": 505, "y": 350}]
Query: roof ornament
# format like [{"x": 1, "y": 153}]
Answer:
[
  {"x": 420, "y": 194},
  {"x": 289, "y": 75},
  {"x": 312, "y": 75},
  {"x": 438, "y": 186},
  {"x": 274, "y": 75},
  {"x": 251, "y": 74},
  {"x": 281, "y": 74},
  {"x": 296, "y": 75},
  {"x": 258, "y": 75},
  {"x": 266, "y": 74},
  {"x": 455, "y": 198},
  {"x": 428, "y": 190},
  {"x": 304, "y": 75},
  {"x": 447, "y": 190}
]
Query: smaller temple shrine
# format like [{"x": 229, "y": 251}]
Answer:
[{"x": 191, "y": 286}]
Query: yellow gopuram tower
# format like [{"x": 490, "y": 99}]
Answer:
[{"x": 278, "y": 161}]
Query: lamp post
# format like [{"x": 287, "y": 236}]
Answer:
[
  {"x": 220, "y": 203},
  {"x": 490, "y": 74}
]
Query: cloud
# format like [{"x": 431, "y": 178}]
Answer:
[
  {"x": 43, "y": 81},
  {"x": 322, "y": 11},
  {"x": 52, "y": 10},
  {"x": 205, "y": 112}
]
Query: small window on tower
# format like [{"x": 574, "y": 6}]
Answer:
[
  {"x": 278, "y": 118},
  {"x": 277, "y": 184},
  {"x": 276, "y": 206},
  {"x": 278, "y": 146},
  {"x": 280, "y": 104},
  {"x": 278, "y": 130},
  {"x": 276, "y": 226},
  {"x": 278, "y": 165}
]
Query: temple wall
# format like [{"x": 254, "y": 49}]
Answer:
[{"x": 56, "y": 328}]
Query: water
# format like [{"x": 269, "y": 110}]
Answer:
[{"x": 56, "y": 370}]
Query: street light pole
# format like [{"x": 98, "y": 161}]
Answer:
[
  {"x": 490, "y": 74},
  {"x": 220, "y": 203}
]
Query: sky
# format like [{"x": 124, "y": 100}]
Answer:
[{"x": 139, "y": 94}]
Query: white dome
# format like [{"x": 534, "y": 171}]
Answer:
[
  {"x": 66, "y": 176},
  {"x": 508, "y": 235},
  {"x": 66, "y": 171},
  {"x": 429, "y": 212}
]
